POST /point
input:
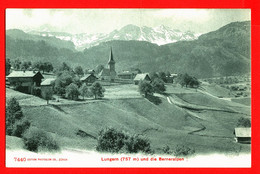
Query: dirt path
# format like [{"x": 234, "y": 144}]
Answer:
[
  {"x": 179, "y": 102},
  {"x": 187, "y": 107}
]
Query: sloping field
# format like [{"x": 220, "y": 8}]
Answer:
[
  {"x": 206, "y": 100},
  {"x": 164, "y": 124},
  {"x": 216, "y": 90}
]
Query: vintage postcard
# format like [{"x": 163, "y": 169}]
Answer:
[{"x": 128, "y": 87}]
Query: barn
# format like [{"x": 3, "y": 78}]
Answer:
[
  {"x": 25, "y": 81},
  {"x": 47, "y": 84},
  {"x": 243, "y": 135},
  {"x": 130, "y": 75},
  {"x": 140, "y": 77},
  {"x": 88, "y": 79}
]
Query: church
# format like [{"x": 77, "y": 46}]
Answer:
[{"x": 109, "y": 73}]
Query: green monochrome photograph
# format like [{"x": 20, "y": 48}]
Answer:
[{"x": 128, "y": 87}]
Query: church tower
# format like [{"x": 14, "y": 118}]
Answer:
[
  {"x": 111, "y": 67},
  {"x": 111, "y": 63}
]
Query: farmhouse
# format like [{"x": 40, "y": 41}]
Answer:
[
  {"x": 243, "y": 135},
  {"x": 109, "y": 73},
  {"x": 25, "y": 81},
  {"x": 48, "y": 84},
  {"x": 127, "y": 75},
  {"x": 170, "y": 79},
  {"x": 140, "y": 77},
  {"x": 88, "y": 79}
]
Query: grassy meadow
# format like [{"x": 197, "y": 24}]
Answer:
[{"x": 205, "y": 130}]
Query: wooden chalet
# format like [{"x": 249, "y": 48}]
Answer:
[
  {"x": 141, "y": 77},
  {"x": 48, "y": 84},
  {"x": 243, "y": 134},
  {"x": 25, "y": 81},
  {"x": 88, "y": 79}
]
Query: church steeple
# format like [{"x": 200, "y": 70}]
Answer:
[
  {"x": 111, "y": 57},
  {"x": 111, "y": 61}
]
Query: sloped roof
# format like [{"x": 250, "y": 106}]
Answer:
[
  {"x": 87, "y": 76},
  {"x": 105, "y": 72},
  {"x": 243, "y": 132},
  {"x": 22, "y": 74},
  {"x": 111, "y": 57},
  {"x": 47, "y": 82},
  {"x": 125, "y": 73},
  {"x": 141, "y": 76}
]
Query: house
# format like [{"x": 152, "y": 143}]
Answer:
[
  {"x": 25, "y": 81},
  {"x": 171, "y": 77},
  {"x": 48, "y": 84},
  {"x": 130, "y": 75},
  {"x": 109, "y": 73},
  {"x": 140, "y": 77},
  {"x": 243, "y": 134},
  {"x": 88, "y": 79}
]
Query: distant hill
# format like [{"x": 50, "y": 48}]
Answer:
[
  {"x": 52, "y": 41},
  {"x": 225, "y": 51}
]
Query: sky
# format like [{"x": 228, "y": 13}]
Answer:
[{"x": 93, "y": 21}]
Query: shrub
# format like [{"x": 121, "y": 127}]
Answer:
[
  {"x": 182, "y": 150},
  {"x": 97, "y": 90},
  {"x": 112, "y": 140},
  {"x": 243, "y": 122},
  {"x": 145, "y": 88},
  {"x": 36, "y": 139},
  {"x": 137, "y": 143},
  {"x": 158, "y": 85},
  {"x": 20, "y": 127},
  {"x": 16, "y": 123},
  {"x": 166, "y": 150},
  {"x": 72, "y": 91}
]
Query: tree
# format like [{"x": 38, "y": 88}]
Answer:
[
  {"x": 83, "y": 90},
  {"x": 43, "y": 66},
  {"x": 38, "y": 66},
  {"x": 64, "y": 79},
  {"x": 97, "y": 90},
  {"x": 186, "y": 80},
  {"x": 193, "y": 82},
  {"x": 145, "y": 88},
  {"x": 48, "y": 67},
  {"x": 36, "y": 139},
  {"x": 72, "y": 91},
  {"x": 16, "y": 124},
  {"x": 25, "y": 65},
  {"x": 79, "y": 71},
  {"x": 158, "y": 85},
  {"x": 162, "y": 75},
  {"x": 17, "y": 64},
  {"x": 116, "y": 141},
  {"x": 243, "y": 122},
  {"x": 7, "y": 67},
  {"x": 77, "y": 81},
  {"x": 47, "y": 94},
  {"x": 154, "y": 75},
  {"x": 64, "y": 67}
]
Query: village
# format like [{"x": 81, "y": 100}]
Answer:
[
  {"x": 184, "y": 94},
  {"x": 36, "y": 83}
]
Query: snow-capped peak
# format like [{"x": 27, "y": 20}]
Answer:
[{"x": 159, "y": 35}]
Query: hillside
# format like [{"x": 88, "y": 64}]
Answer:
[
  {"x": 223, "y": 52},
  {"x": 52, "y": 41},
  {"x": 206, "y": 130}
]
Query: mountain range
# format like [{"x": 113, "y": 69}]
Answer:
[
  {"x": 159, "y": 35},
  {"x": 223, "y": 52}
]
